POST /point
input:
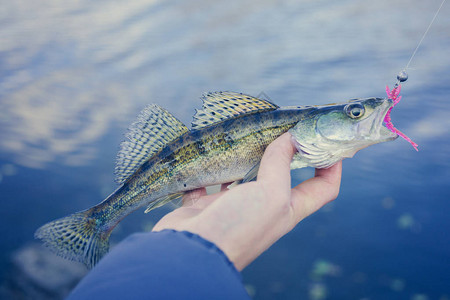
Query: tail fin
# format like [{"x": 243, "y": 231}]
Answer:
[{"x": 75, "y": 237}]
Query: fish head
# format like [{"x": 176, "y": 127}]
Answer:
[{"x": 333, "y": 132}]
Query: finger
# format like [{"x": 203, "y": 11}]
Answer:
[
  {"x": 315, "y": 192},
  {"x": 275, "y": 167},
  {"x": 205, "y": 200},
  {"x": 192, "y": 196},
  {"x": 199, "y": 199},
  {"x": 201, "y": 203},
  {"x": 224, "y": 186},
  {"x": 329, "y": 174}
]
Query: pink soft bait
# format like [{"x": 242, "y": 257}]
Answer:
[{"x": 394, "y": 96}]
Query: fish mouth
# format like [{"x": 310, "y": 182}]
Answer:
[{"x": 384, "y": 132}]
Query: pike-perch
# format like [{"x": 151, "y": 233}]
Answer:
[{"x": 162, "y": 158}]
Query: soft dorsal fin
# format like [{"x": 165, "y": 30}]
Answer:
[
  {"x": 219, "y": 106},
  {"x": 155, "y": 128}
]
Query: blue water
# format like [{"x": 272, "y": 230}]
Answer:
[{"x": 74, "y": 75}]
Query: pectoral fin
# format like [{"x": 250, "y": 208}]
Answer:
[{"x": 252, "y": 174}]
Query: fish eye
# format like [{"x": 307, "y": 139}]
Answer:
[{"x": 354, "y": 110}]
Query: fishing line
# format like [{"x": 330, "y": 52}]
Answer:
[{"x": 402, "y": 75}]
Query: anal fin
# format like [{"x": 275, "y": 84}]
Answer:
[{"x": 162, "y": 201}]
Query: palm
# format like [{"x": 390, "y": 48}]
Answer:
[
  {"x": 194, "y": 202},
  {"x": 247, "y": 219}
]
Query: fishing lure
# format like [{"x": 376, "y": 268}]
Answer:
[{"x": 394, "y": 96}]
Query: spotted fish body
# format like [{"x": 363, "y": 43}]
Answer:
[
  {"x": 162, "y": 159},
  {"x": 220, "y": 153}
]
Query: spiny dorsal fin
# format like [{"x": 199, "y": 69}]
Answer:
[
  {"x": 219, "y": 106},
  {"x": 155, "y": 128}
]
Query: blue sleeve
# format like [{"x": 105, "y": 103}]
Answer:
[{"x": 163, "y": 265}]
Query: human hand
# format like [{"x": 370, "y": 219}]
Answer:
[{"x": 246, "y": 220}]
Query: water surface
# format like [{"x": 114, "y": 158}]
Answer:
[{"x": 74, "y": 75}]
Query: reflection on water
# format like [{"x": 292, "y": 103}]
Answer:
[
  {"x": 51, "y": 121},
  {"x": 72, "y": 73},
  {"x": 65, "y": 83}
]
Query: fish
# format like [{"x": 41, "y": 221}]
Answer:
[{"x": 161, "y": 159}]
